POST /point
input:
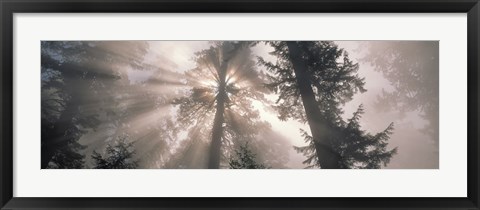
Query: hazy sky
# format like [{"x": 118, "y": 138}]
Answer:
[{"x": 415, "y": 149}]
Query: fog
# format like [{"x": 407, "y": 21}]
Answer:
[
  {"x": 160, "y": 100},
  {"x": 416, "y": 148}
]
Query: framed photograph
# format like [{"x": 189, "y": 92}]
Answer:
[{"x": 239, "y": 105}]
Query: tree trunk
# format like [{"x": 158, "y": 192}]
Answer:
[
  {"x": 227, "y": 53},
  {"x": 217, "y": 130},
  {"x": 327, "y": 157}
]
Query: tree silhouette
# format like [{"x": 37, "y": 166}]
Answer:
[
  {"x": 244, "y": 158},
  {"x": 223, "y": 85},
  {"x": 313, "y": 80},
  {"x": 412, "y": 67},
  {"x": 95, "y": 91},
  {"x": 73, "y": 75},
  {"x": 357, "y": 148},
  {"x": 68, "y": 157},
  {"x": 118, "y": 156},
  {"x": 270, "y": 148}
]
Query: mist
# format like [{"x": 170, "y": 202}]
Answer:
[{"x": 239, "y": 105}]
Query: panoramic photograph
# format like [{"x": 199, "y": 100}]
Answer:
[{"x": 239, "y": 104}]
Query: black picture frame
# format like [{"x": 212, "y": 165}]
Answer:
[{"x": 9, "y": 7}]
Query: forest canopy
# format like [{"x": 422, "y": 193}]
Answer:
[{"x": 238, "y": 104}]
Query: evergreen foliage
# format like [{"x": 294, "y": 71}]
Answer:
[
  {"x": 218, "y": 107},
  {"x": 244, "y": 158},
  {"x": 117, "y": 156},
  {"x": 333, "y": 80}
]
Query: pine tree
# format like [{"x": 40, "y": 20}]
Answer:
[
  {"x": 412, "y": 67},
  {"x": 68, "y": 157},
  {"x": 313, "y": 80},
  {"x": 70, "y": 72},
  {"x": 225, "y": 76},
  {"x": 117, "y": 156},
  {"x": 244, "y": 158},
  {"x": 357, "y": 148}
]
